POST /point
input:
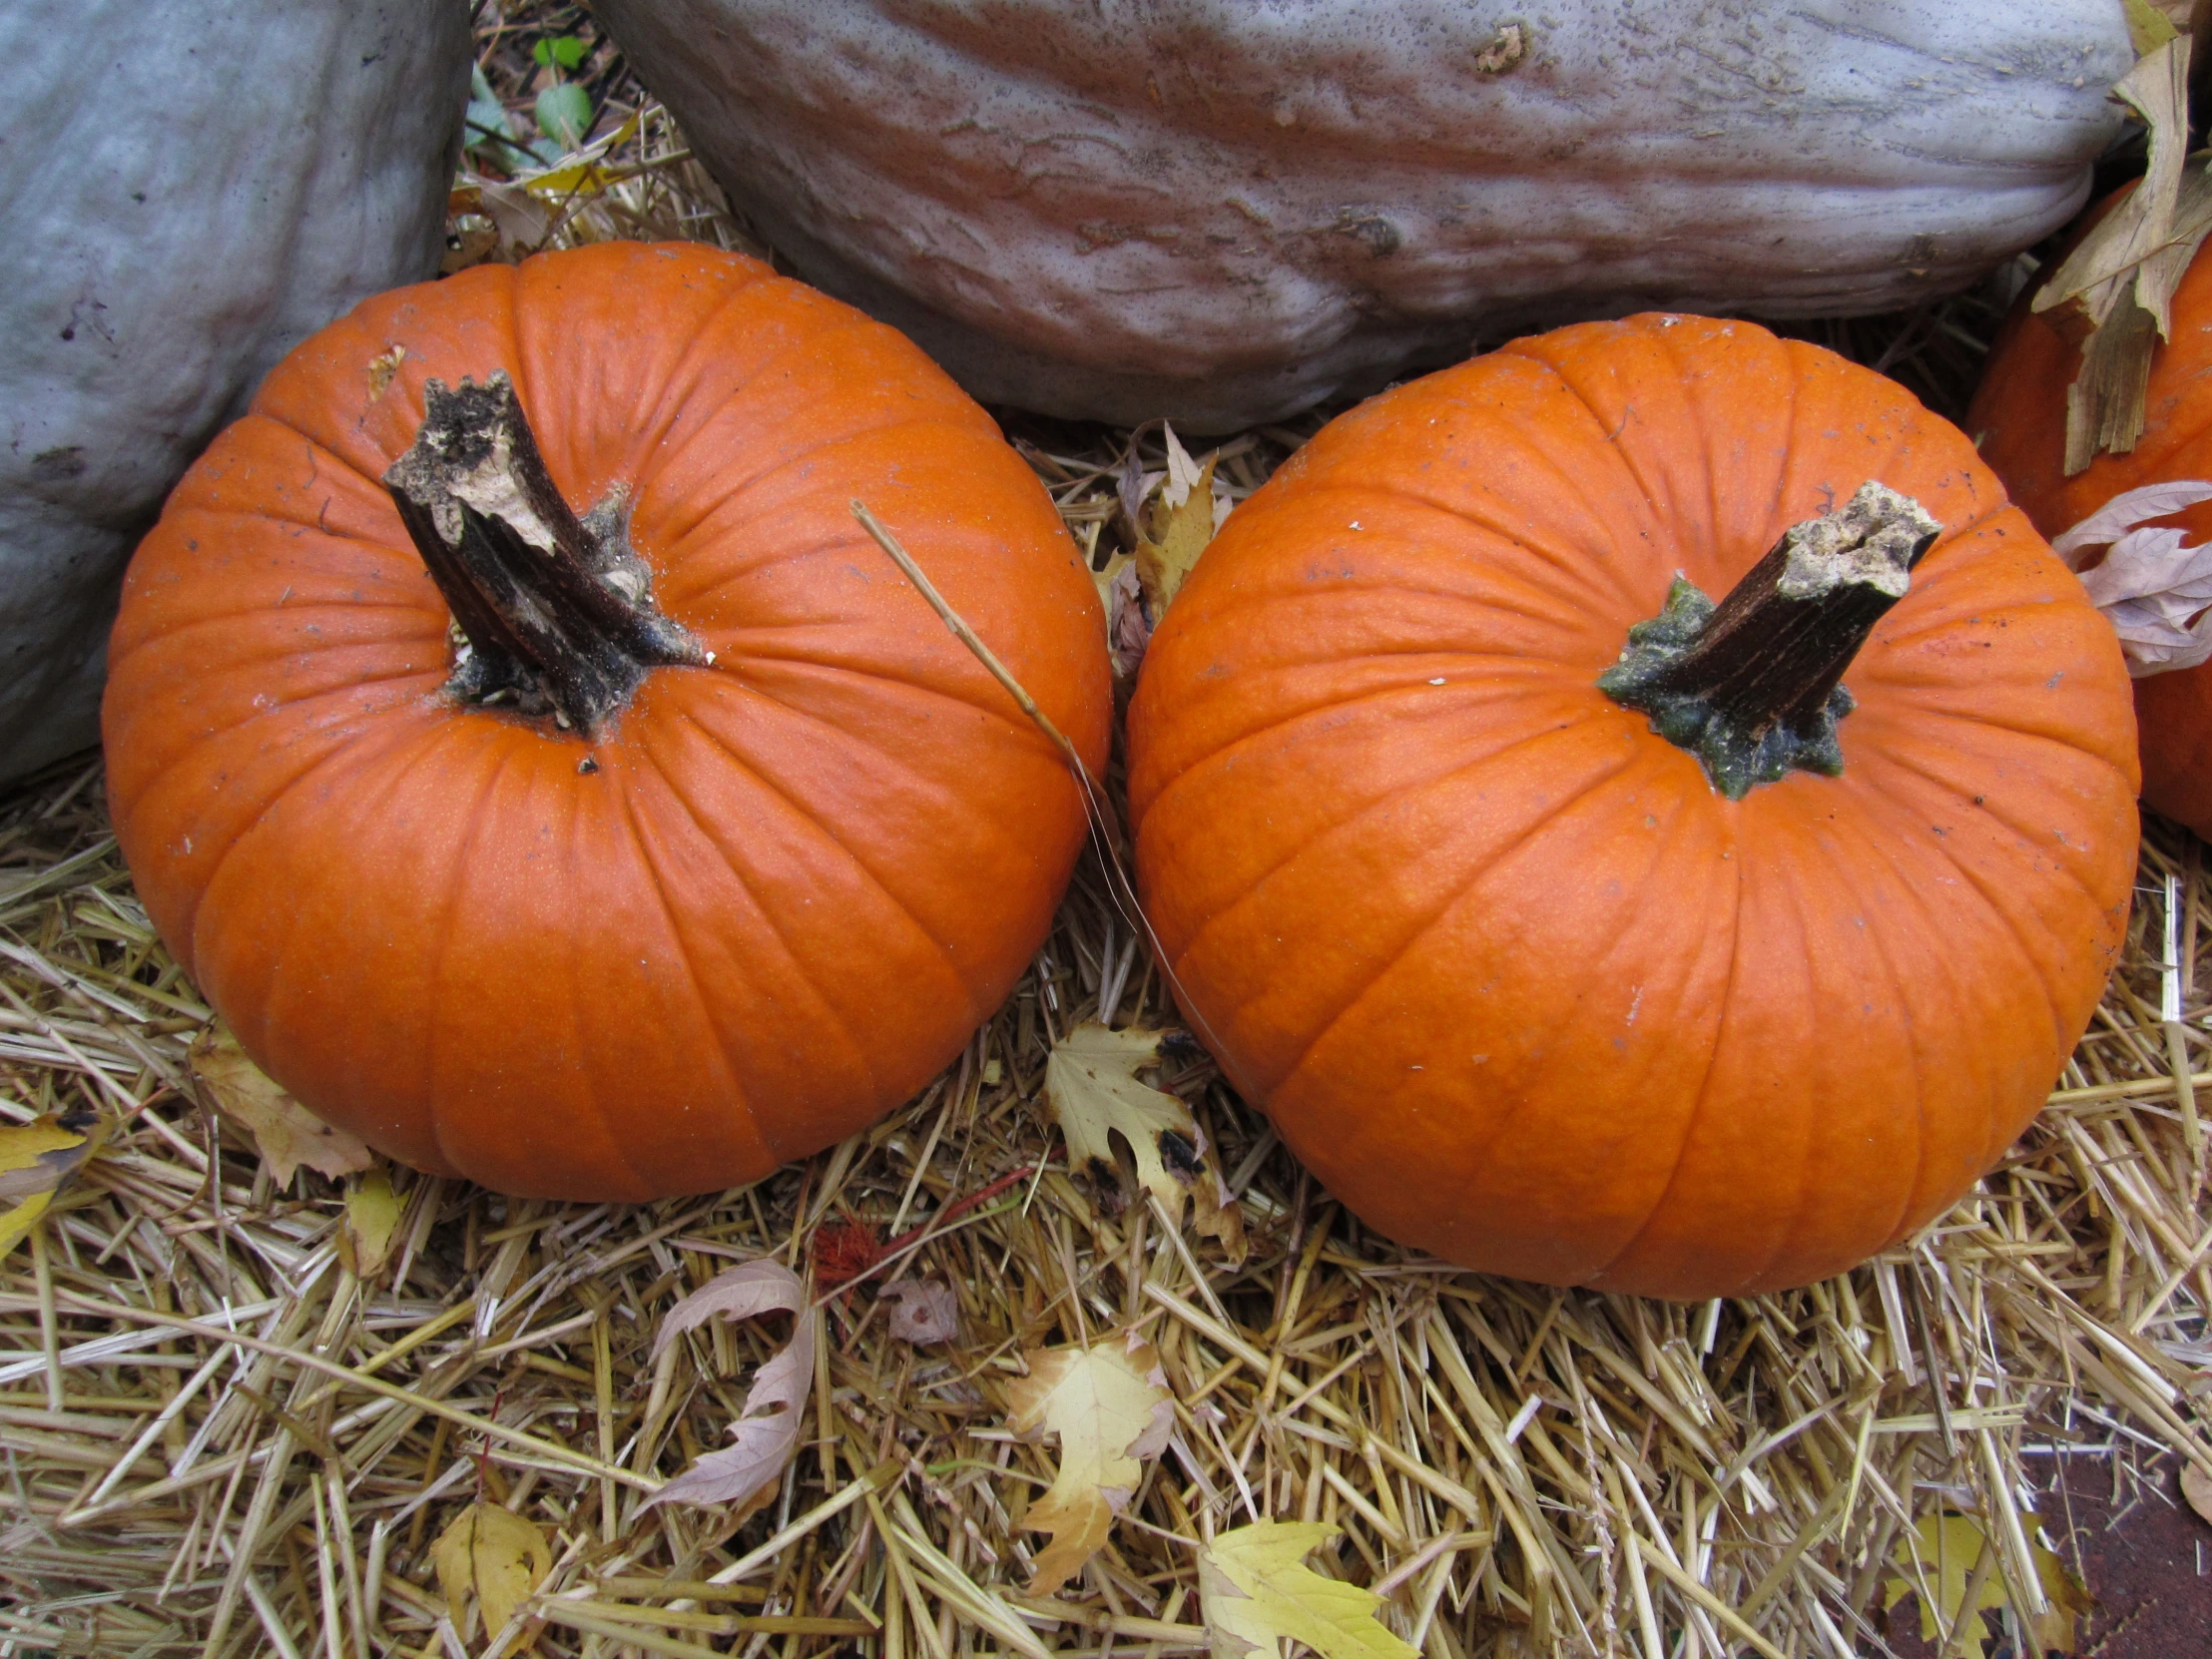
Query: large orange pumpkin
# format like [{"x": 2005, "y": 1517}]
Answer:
[
  {"x": 1509, "y": 972},
  {"x": 739, "y": 851},
  {"x": 2018, "y": 417}
]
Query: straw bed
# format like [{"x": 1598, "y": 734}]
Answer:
[{"x": 219, "y": 1441}]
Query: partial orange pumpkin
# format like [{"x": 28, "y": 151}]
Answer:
[
  {"x": 2018, "y": 417},
  {"x": 1503, "y": 965},
  {"x": 729, "y": 916}
]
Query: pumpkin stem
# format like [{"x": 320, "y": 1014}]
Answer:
[
  {"x": 555, "y": 607},
  {"x": 1752, "y": 686}
]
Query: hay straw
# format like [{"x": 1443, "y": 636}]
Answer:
[{"x": 214, "y": 1439}]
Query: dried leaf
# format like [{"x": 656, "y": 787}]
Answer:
[
  {"x": 2152, "y": 23},
  {"x": 1091, "y": 1082},
  {"x": 1254, "y": 1589},
  {"x": 2155, "y": 591},
  {"x": 494, "y": 1555},
  {"x": 1183, "y": 472},
  {"x": 923, "y": 1310},
  {"x": 1110, "y": 1408},
  {"x": 373, "y": 1212},
  {"x": 38, "y": 1159},
  {"x": 768, "y": 1428},
  {"x": 288, "y": 1134},
  {"x": 1948, "y": 1547},
  {"x": 1128, "y": 628},
  {"x": 2114, "y": 291},
  {"x": 2196, "y": 1486},
  {"x": 1181, "y": 529}
]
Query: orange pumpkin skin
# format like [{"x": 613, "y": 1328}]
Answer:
[
  {"x": 2018, "y": 418},
  {"x": 1504, "y": 969},
  {"x": 796, "y": 881}
]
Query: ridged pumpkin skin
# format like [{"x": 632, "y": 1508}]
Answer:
[
  {"x": 798, "y": 879},
  {"x": 2018, "y": 417},
  {"x": 1506, "y": 972}
]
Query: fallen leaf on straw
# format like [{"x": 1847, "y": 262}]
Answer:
[
  {"x": 923, "y": 1310},
  {"x": 37, "y": 1159},
  {"x": 288, "y": 1134},
  {"x": 1181, "y": 528},
  {"x": 1090, "y": 1080},
  {"x": 768, "y": 1428},
  {"x": 494, "y": 1555},
  {"x": 373, "y": 1212},
  {"x": 1255, "y": 1588},
  {"x": 1109, "y": 1406},
  {"x": 1944, "y": 1550}
]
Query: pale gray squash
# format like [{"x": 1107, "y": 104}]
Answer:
[
  {"x": 1222, "y": 211},
  {"x": 188, "y": 191}
]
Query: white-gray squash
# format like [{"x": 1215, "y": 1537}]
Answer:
[
  {"x": 1222, "y": 211},
  {"x": 187, "y": 189}
]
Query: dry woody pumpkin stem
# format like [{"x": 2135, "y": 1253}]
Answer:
[
  {"x": 1516, "y": 1469},
  {"x": 1752, "y": 686},
  {"x": 556, "y": 609}
]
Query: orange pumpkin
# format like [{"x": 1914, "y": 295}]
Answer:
[
  {"x": 743, "y": 845},
  {"x": 1504, "y": 964},
  {"x": 2018, "y": 417}
]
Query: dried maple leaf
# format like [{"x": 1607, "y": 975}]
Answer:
[
  {"x": 1090, "y": 1080},
  {"x": 38, "y": 1159},
  {"x": 1111, "y": 1410},
  {"x": 2114, "y": 293},
  {"x": 922, "y": 1310},
  {"x": 1183, "y": 524},
  {"x": 494, "y": 1555},
  {"x": 287, "y": 1133},
  {"x": 1254, "y": 1588},
  {"x": 768, "y": 1428},
  {"x": 2155, "y": 591}
]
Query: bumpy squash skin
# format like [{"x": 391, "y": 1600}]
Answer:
[
  {"x": 190, "y": 191},
  {"x": 796, "y": 879},
  {"x": 1504, "y": 969},
  {"x": 1223, "y": 212},
  {"x": 2018, "y": 418}
]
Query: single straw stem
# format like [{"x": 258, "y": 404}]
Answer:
[{"x": 973, "y": 641}]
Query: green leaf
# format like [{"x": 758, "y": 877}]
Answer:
[
  {"x": 564, "y": 114},
  {"x": 562, "y": 51}
]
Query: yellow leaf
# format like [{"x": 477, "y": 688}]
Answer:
[
  {"x": 1115, "y": 565},
  {"x": 2149, "y": 26},
  {"x": 1254, "y": 1589},
  {"x": 1939, "y": 1559},
  {"x": 38, "y": 1159},
  {"x": 1110, "y": 1408},
  {"x": 288, "y": 1134},
  {"x": 581, "y": 174},
  {"x": 1090, "y": 1080},
  {"x": 1180, "y": 532},
  {"x": 494, "y": 1555},
  {"x": 373, "y": 1212}
]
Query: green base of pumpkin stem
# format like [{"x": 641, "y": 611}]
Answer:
[
  {"x": 555, "y": 608},
  {"x": 1752, "y": 686}
]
